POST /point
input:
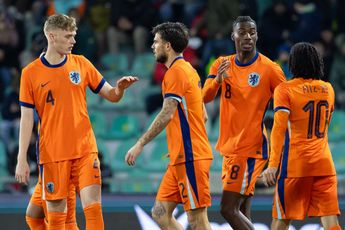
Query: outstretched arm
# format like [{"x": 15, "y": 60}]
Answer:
[
  {"x": 157, "y": 126},
  {"x": 114, "y": 94},
  {"x": 22, "y": 174}
]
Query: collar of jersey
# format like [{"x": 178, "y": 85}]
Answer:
[
  {"x": 46, "y": 63},
  {"x": 248, "y": 63},
  {"x": 179, "y": 57}
]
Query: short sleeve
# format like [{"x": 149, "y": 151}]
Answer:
[
  {"x": 175, "y": 84},
  {"x": 26, "y": 97},
  {"x": 94, "y": 77},
  {"x": 281, "y": 99}
]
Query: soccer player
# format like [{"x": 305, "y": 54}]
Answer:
[
  {"x": 247, "y": 80},
  {"x": 55, "y": 85},
  {"x": 186, "y": 180},
  {"x": 303, "y": 106}
]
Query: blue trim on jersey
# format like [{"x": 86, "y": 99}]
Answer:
[
  {"x": 248, "y": 63},
  {"x": 28, "y": 105},
  {"x": 172, "y": 95},
  {"x": 46, "y": 63},
  {"x": 179, "y": 57},
  {"x": 264, "y": 147},
  {"x": 250, "y": 165},
  {"x": 188, "y": 150},
  {"x": 211, "y": 76},
  {"x": 280, "y": 108},
  {"x": 99, "y": 87},
  {"x": 38, "y": 141},
  {"x": 283, "y": 173},
  {"x": 192, "y": 178}
]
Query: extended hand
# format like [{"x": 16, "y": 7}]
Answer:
[
  {"x": 22, "y": 174},
  {"x": 269, "y": 176},
  {"x": 133, "y": 153},
  {"x": 125, "y": 82}
]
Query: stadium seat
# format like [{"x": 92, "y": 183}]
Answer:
[
  {"x": 336, "y": 130},
  {"x": 155, "y": 159},
  {"x": 124, "y": 127},
  {"x": 98, "y": 123},
  {"x": 338, "y": 155},
  {"x": 214, "y": 132},
  {"x": 115, "y": 62},
  {"x": 143, "y": 65}
]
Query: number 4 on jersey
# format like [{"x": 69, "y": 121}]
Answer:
[{"x": 50, "y": 98}]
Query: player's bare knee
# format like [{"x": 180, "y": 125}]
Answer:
[
  {"x": 159, "y": 214},
  {"x": 57, "y": 205},
  {"x": 90, "y": 195},
  {"x": 227, "y": 212},
  {"x": 34, "y": 211}
]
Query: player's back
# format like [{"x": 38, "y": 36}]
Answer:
[{"x": 311, "y": 103}]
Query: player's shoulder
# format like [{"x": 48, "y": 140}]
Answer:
[
  {"x": 77, "y": 57},
  {"x": 32, "y": 66},
  {"x": 268, "y": 62}
]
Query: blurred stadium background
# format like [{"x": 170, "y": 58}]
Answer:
[{"x": 115, "y": 36}]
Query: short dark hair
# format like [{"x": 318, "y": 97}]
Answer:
[
  {"x": 305, "y": 61},
  {"x": 174, "y": 32},
  {"x": 241, "y": 19}
]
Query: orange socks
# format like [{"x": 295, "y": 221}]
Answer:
[
  {"x": 335, "y": 227},
  {"x": 94, "y": 217},
  {"x": 35, "y": 223},
  {"x": 56, "y": 220}
]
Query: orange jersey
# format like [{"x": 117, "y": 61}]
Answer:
[
  {"x": 58, "y": 93},
  {"x": 186, "y": 132},
  {"x": 246, "y": 93},
  {"x": 309, "y": 104}
]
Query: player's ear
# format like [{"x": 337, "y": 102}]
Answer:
[{"x": 232, "y": 36}]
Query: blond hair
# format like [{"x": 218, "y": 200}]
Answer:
[{"x": 60, "y": 21}]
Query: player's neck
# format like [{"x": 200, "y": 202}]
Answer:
[
  {"x": 54, "y": 57},
  {"x": 245, "y": 57},
  {"x": 172, "y": 58}
]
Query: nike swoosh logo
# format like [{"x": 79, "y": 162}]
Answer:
[
  {"x": 42, "y": 85},
  {"x": 230, "y": 182}
]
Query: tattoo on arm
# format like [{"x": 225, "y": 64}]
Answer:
[
  {"x": 158, "y": 210},
  {"x": 161, "y": 121}
]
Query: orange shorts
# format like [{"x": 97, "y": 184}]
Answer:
[
  {"x": 187, "y": 183},
  {"x": 36, "y": 198},
  {"x": 294, "y": 198},
  {"x": 81, "y": 172},
  {"x": 239, "y": 174}
]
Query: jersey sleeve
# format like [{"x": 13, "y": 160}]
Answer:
[
  {"x": 278, "y": 137},
  {"x": 26, "y": 96},
  {"x": 277, "y": 76},
  {"x": 211, "y": 86},
  {"x": 94, "y": 77},
  {"x": 281, "y": 117},
  {"x": 175, "y": 84},
  {"x": 281, "y": 99}
]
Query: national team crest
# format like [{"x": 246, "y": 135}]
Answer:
[
  {"x": 74, "y": 77},
  {"x": 253, "y": 79},
  {"x": 50, "y": 187}
]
